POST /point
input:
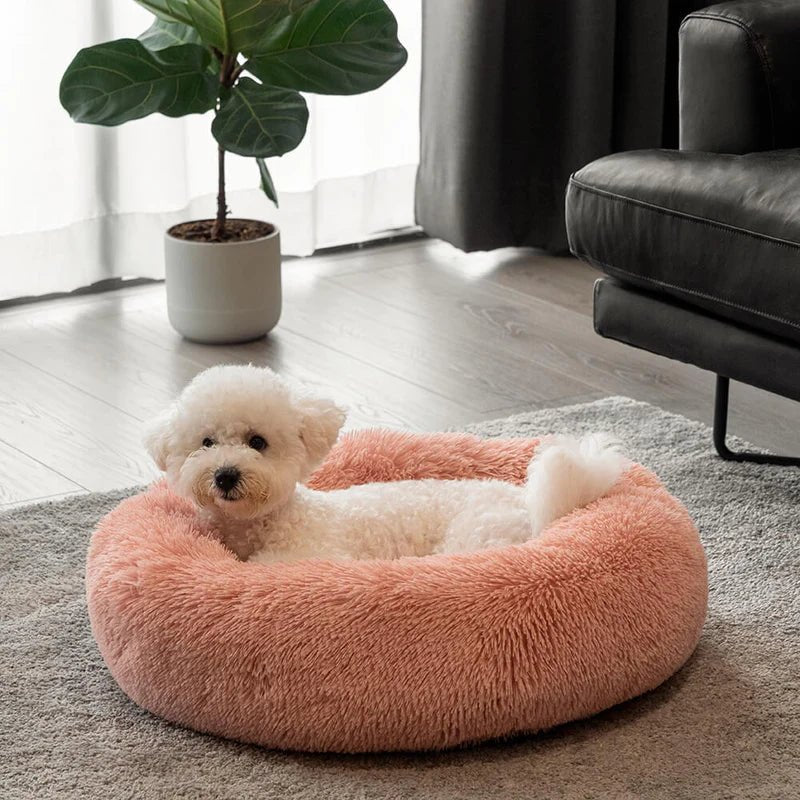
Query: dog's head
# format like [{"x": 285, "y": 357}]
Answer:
[{"x": 239, "y": 439}]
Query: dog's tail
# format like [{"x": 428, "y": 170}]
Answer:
[{"x": 568, "y": 473}]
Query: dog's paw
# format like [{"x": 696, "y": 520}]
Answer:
[{"x": 568, "y": 473}]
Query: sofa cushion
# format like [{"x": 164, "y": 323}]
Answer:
[
  {"x": 720, "y": 232},
  {"x": 740, "y": 77}
]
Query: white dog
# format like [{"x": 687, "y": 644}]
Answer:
[{"x": 240, "y": 441}]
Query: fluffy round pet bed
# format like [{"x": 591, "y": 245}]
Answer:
[{"x": 412, "y": 654}]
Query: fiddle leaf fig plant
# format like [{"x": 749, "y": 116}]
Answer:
[{"x": 245, "y": 60}]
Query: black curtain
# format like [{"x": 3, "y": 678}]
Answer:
[{"x": 518, "y": 94}]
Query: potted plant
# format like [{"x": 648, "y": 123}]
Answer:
[{"x": 246, "y": 61}]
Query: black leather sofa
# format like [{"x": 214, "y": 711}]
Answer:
[{"x": 701, "y": 246}]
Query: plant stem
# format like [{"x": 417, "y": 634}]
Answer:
[
  {"x": 228, "y": 74},
  {"x": 218, "y": 231}
]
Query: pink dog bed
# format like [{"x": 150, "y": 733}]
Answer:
[{"x": 419, "y": 653}]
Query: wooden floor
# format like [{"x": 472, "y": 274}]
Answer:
[{"x": 412, "y": 335}]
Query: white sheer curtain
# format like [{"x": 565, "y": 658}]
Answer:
[{"x": 79, "y": 204}]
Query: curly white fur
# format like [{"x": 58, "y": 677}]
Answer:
[{"x": 268, "y": 515}]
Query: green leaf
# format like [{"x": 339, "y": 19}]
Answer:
[
  {"x": 331, "y": 47},
  {"x": 169, "y": 10},
  {"x": 260, "y": 121},
  {"x": 162, "y": 34},
  {"x": 234, "y": 26},
  {"x": 111, "y": 83},
  {"x": 267, "y": 186}
]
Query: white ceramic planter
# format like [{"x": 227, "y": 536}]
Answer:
[{"x": 223, "y": 292}]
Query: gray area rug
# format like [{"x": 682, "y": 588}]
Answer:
[{"x": 726, "y": 726}]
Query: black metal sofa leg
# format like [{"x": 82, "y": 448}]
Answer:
[{"x": 721, "y": 430}]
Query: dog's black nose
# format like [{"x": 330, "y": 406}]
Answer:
[{"x": 226, "y": 478}]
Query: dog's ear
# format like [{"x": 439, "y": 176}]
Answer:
[
  {"x": 321, "y": 422},
  {"x": 156, "y": 437}
]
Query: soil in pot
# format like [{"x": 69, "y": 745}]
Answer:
[{"x": 236, "y": 230}]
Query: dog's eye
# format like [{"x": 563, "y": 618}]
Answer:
[
  {"x": 258, "y": 443},
  {"x": 208, "y": 442}
]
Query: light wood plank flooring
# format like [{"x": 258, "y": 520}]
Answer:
[{"x": 413, "y": 334}]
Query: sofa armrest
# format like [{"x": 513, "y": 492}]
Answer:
[{"x": 739, "y": 77}]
